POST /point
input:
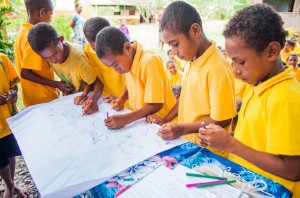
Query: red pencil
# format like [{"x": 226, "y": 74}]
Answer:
[{"x": 87, "y": 103}]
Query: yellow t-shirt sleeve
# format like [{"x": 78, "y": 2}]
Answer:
[
  {"x": 154, "y": 78},
  {"x": 283, "y": 132},
  {"x": 31, "y": 60},
  {"x": 11, "y": 73},
  {"x": 221, "y": 96},
  {"x": 87, "y": 72}
]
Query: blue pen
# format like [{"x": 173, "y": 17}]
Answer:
[
  {"x": 106, "y": 114},
  {"x": 11, "y": 94}
]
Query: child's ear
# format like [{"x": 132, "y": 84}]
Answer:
[
  {"x": 127, "y": 47},
  {"x": 42, "y": 12},
  {"x": 195, "y": 30},
  {"x": 274, "y": 49},
  {"x": 61, "y": 39}
]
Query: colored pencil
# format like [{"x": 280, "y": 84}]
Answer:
[
  {"x": 64, "y": 78},
  {"x": 205, "y": 176},
  {"x": 215, "y": 184},
  {"x": 200, "y": 183},
  {"x": 203, "y": 125}
]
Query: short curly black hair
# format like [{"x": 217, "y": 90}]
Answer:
[
  {"x": 93, "y": 26},
  {"x": 110, "y": 39},
  {"x": 179, "y": 16},
  {"x": 291, "y": 43},
  {"x": 257, "y": 25},
  {"x": 41, "y": 35},
  {"x": 34, "y": 5}
]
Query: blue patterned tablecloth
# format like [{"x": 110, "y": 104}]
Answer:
[{"x": 189, "y": 155}]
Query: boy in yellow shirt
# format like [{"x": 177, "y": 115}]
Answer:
[
  {"x": 8, "y": 145},
  {"x": 173, "y": 57},
  {"x": 287, "y": 50},
  {"x": 37, "y": 77},
  {"x": 69, "y": 61},
  {"x": 148, "y": 90},
  {"x": 113, "y": 82},
  {"x": 266, "y": 139},
  {"x": 292, "y": 60},
  {"x": 174, "y": 76},
  {"x": 207, "y": 93}
]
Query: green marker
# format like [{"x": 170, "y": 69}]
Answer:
[
  {"x": 64, "y": 78},
  {"x": 205, "y": 176},
  {"x": 215, "y": 184}
]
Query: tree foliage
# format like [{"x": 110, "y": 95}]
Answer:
[
  {"x": 6, "y": 44},
  {"x": 61, "y": 23}
]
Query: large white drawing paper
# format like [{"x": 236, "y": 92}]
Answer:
[
  {"x": 167, "y": 183},
  {"x": 67, "y": 154}
]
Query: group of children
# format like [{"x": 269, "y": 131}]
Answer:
[{"x": 265, "y": 139}]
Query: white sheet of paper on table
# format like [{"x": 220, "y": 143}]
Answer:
[
  {"x": 67, "y": 154},
  {"x": 167, "y": 183}
]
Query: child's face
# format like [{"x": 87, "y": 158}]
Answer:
[
  {"x": 171, "y": 55},
  {"x": 172, "y": 68},
  {"x": 46, "y": 15},
  {"x": 224, "y": 54},
  {"x": 120, "y": 63},
  {"x": 53, "y": 53},
  {"x": 248, "y": 65},
  {"x": 292, "y": 60},
  {"x": 183, "y": 47}
]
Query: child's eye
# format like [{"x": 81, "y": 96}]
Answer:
[
  {"x": 175, "y": 45},
  {"x": 242, "y": 62}
]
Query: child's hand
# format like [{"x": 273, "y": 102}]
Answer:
[
  {"x": 117, "y": 104},
  {"x": 89, "y": 107},
  {"x": 12, "y": 96},
  {"x": 155, "y": 119},
  {"x": 169, "y": 131},
  {"x": 115, "y": 121},
  {"x": 109, "y": 98},
  {"x": 79, "y": 100},
  {"x": 215, "y": 136},
  {"x": 3, "y": 99},
  {"x": 65, "y": 88}
]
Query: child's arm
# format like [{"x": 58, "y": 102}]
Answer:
[
  {"x": 177, "y": 130},
  {"x": 29, "y": 75},
  {"x": 118, "y": 121},
  {"x": 118, "y": 104},
  {"x": 3, "y": 98},
  {"x": 283, "y": 166},
  {"x": 91, "y": 106}
]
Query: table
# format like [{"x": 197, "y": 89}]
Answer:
[{"x": 189, "y": 155}]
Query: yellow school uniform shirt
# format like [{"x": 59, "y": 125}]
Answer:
[
  {"x": 239, "y": 88},
  {"x": 296, "y": 70},
  {"x": 297, "y": 49},
  {"x": 146, "y": 82},
  {"x": 284, "y": 55},
  {"x": 269, "y": 121},
  {"x": 114, "y": 83},
  {"x": 8, "y": 79},
  {"x": 207, "y": 90},
  {"x": 174, "y": 79},
  {"x": 178, "y": 62},
  {"x": 32, "y": 93},
  {"x": 77, "y": 68}
]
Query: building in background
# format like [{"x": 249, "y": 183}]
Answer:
[{"x": 289, "y": 10}]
